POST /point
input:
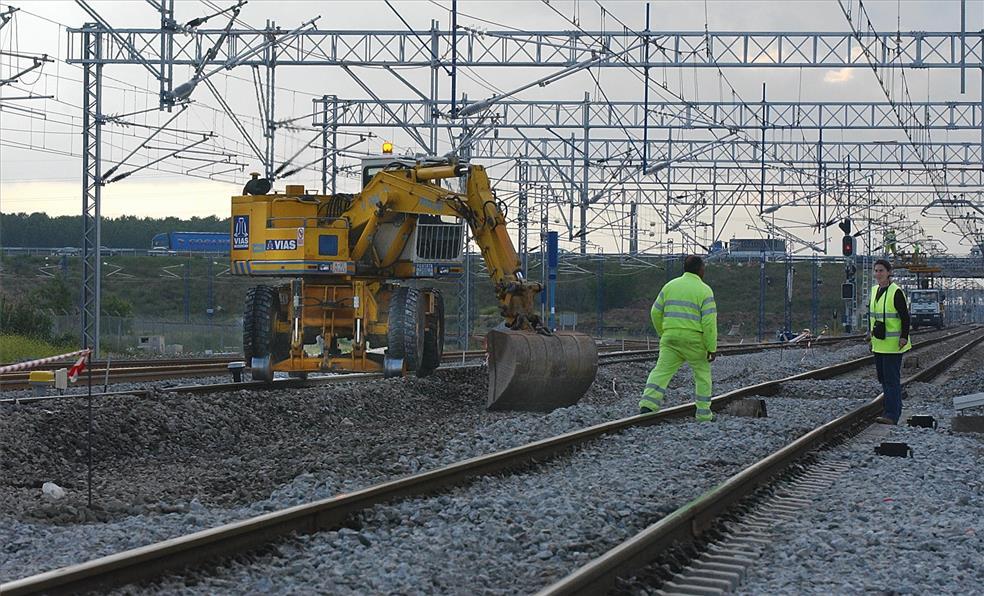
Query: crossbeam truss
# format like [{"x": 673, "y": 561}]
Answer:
[
  {"x": 555, "y": 49},
  {"x": 635, "y": 170},
  {"x": 632, "y": 115}
]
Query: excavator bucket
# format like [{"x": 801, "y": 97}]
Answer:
[{"x": 529, "y": 371}]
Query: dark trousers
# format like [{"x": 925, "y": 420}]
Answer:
[{"x": 889, "y": 367}]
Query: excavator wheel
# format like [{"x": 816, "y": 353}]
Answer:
[
  {"x": 260, "y": 342},
  {"x": 536, "y": 372},
  {"x": 433, "y": 337},
  {"x": 405, "y": 328}
]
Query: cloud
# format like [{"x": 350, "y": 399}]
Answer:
[{"x": 841, "y": 75}]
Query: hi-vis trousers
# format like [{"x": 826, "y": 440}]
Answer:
[{"x": 675, "y": 348}]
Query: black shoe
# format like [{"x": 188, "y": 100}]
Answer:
[
  {"x": 645, "y": 411},
  {"x": 885, "y": 420}
]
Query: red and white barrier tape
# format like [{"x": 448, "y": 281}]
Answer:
[{"x": 83, "y": 355}]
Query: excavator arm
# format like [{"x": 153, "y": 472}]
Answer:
[
  {"x": 412, "y": 192},
  {"x": 530, "y": 367}
]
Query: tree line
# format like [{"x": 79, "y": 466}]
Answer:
[{"x": 40, "y": 230}]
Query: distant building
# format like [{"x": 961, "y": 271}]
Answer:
[{"x": 750, "y": 247}]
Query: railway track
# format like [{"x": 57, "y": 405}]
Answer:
[
  {"x": 458, "y": 359},
  {"x": 158, "y": 370},
  {"x": 692, "y": 524},
  {"x": 143, "y": 370},
  {"x": 153, "y": 560},
  {"x": 149, "y": 370}
]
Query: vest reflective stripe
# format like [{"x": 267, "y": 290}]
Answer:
[
  {"x": 708, "y": 311},
  {"x": 681, "y": 315},
  {"x": 704, "y": 413},
  {"x": 658, "y": 303},
  {"x": 653, "y": 392},
  {"x": 883, "y": 309},
  {"x": 684, "y": 304}
]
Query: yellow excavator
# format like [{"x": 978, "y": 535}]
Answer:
[{"x": 356, "y": 297}]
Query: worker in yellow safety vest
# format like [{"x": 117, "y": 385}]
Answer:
[
  {"x": 685, "y": 317},
  {"x": 888, "y": 329}
]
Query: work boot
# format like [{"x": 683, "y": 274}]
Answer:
[
  {"x": 704, "y": 413},
  {"x": 646, "y": 411},
  {"x": 885, "y": 420}
]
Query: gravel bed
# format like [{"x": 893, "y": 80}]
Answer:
[
  {"x": 891, "y": 525},
  {"x": 168, "y": 465},
  {"x": 514, "y": 534}
]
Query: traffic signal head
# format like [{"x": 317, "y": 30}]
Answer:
[{"x": 847, "y": 246}]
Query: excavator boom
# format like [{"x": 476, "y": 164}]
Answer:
[{"x": 530, "y": 367}]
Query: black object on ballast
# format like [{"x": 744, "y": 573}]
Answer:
[
  {"x": 236, "y": 368},
  {"x": 893, "y": 449},
  {"x": 922, "y": 420}
]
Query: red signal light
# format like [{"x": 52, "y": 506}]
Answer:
[{"x": 847, "y": 247}]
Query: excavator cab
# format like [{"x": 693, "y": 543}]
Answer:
[{"x": 357, "y": 297}]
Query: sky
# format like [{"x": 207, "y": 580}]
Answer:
[{"x": 40, "y": 167}]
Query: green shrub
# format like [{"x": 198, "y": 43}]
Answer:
[
  {"x": 17, "y": 348},
  {"x": 22, "y": 318}
]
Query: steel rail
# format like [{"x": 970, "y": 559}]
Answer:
[
  {"x": 169, "y": 556},
  {"x": 605, "y": 358},
  {"x": 689, "y": 523},
  {"x": 172, "y": 368},
  {"x": 149, "y": 370}
]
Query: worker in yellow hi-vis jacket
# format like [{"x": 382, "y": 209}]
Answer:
[{"x": 685, "y": 316}]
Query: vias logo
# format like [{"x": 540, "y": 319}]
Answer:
[
  {"x": 281, "y": 244},
  {"x": 240, "y": 232}
]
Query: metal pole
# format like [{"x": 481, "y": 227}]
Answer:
[
  {"x": 814, "y": 295},
  {"x": 573, "y": 197},
  {"x": 645, "y": 100},
  {"x": 522, "y": 218},
  {"x": 762, "y": 150},
  {"x": 788, "y": 296},
  {"x": 544, "y": 234},
  {"x": 714, "y": 201},
  {"x": 88, "y": 435},
  {"x": 963, "y": 46},
  {"x": 600, "y": 299},
  {"x": 92, "y": 120},
  {"x": 270, "y": 102},
  {"x": 633, "y": 228},
  {"x": 468, "y": 293},
  {"x": 167, "y": 51},
  {"x": 187, "y": 291},
  {"x": 761, "y": 313},
  {"x": 553, "y": 259},
  {"x": 583, "y": 221},
  {"x": 324, "y": 144},
  {"x": 334, "y": 144},
  {"x": 435, "y": 64},
  {"x": 454, "y": 62},
  {"x": 210, "y": 311}
]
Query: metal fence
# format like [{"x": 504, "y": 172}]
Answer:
[{"x": 123, "y": 335}]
